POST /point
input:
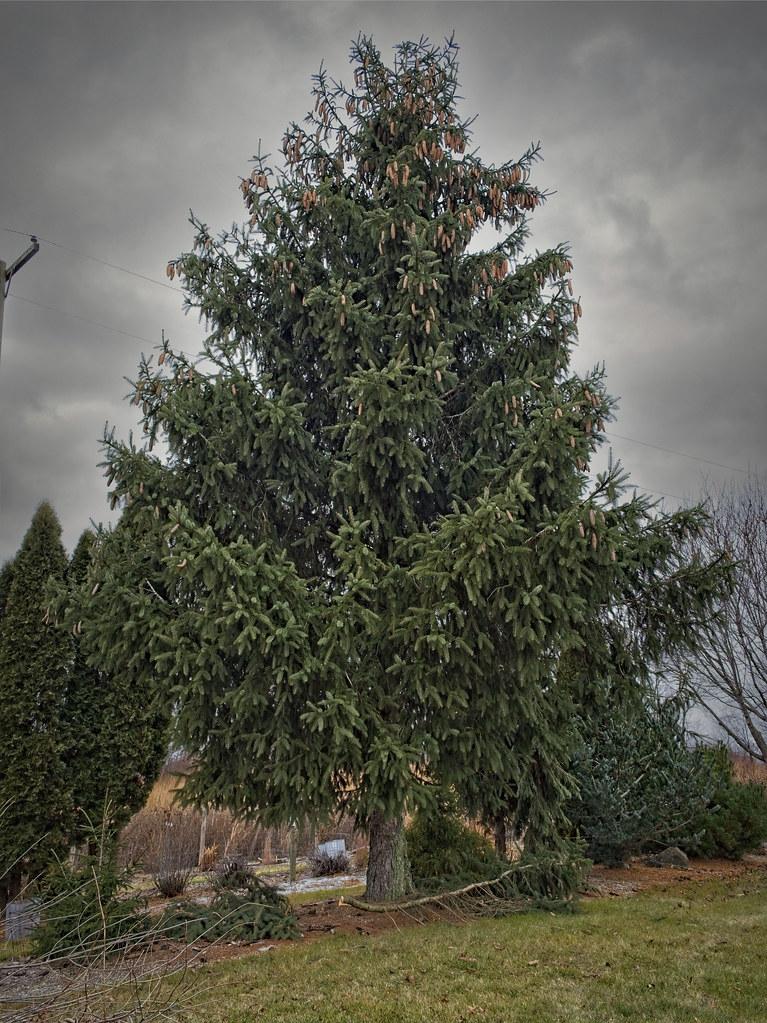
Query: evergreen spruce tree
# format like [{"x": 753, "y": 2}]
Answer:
[
  {"x": 640, "y": 787},
  {"x": 115, "y": 735},
  {"x": 654, "y": 602},
  {"x": 371, "y": 535},
  {"x": 34, "y": 659}
]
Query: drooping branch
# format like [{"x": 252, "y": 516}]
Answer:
[{"x": 443, "y": 897}]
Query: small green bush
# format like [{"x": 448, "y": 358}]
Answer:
[
  {"x": 639, "y": 786},
  {"x": 252, "y": 912},
  {"x": 735, "y": 820},
  {"x": 88, "y": 911},
  {"x": 443, "y": 850}
]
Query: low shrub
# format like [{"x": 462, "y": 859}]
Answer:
[
  {"x": 232, "y": 872},
  {"x": 88, "y": 911},
  {"x": 443, "y": 849},
  {"x": 323, "y": 864},
  {"x": 172, "y": 883},
  {"x": 734, "y": 821},
  {"x": 254, "y": 912},
  {"x": 209, "y": 857}
]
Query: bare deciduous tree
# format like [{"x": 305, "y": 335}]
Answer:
[{"x": 727, "y": 673}]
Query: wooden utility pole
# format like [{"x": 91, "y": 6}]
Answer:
[
  {"x": 6, "y": 272},
  {"x": 3, "y": 278}
]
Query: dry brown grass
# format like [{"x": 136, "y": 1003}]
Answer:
[
  {"x": 165, "y": 791},
  {"x": 163, "y": 835},
  {"x": 747, "y": 769}
]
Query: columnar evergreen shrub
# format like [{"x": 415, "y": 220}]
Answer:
[
  {"x": 6, "y": 577},
  {"x": 114, "y": 730},
  {"x": 34, "y": 660},
  {"x": 78, "y": 747}
]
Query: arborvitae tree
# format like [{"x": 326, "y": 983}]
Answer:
[
  {"x": 34, "y": 659},
  {"x": 6, "y": 578},
  {"x": 370, "y": 536},
  {"x": 115, "y": 733}
]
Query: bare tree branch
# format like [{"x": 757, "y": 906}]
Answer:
[{"x": 727, "y": 673}]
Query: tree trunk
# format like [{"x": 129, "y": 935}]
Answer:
[
  {"x": 388, "y": 867},
  {"x": 203, "y": 836},
  {"x": 266, "y": 855},
  {"x": 292, "y": 851},
  {"x": 11, "y": 886},
  {"x": 499, "y": 832}
]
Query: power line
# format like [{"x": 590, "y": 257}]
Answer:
[
  {"x": 84, "y": 319},
  {"x": 95, "y": 259},
  {"x": 634, "y": 485},
  {"x": 170, "y": 287},
  {"x": 7, "y": 273},
  {"x": 673, "y": 451}
]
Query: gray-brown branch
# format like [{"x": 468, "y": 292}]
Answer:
[{"x": 392, "y": 907}]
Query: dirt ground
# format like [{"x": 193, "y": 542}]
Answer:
[
  {"x": 27, "y": 982},
  {"x": 318, "y": 919},
  {"x": 330, "y": 916},
  {"x": 638, "y": 877}
]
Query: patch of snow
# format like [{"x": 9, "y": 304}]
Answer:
[{"x": 314, "y": 884}]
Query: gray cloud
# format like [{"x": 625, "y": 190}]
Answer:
[{"x": 119, "y": 117}]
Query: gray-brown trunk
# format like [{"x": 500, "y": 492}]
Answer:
[
  {"x": 499, "y": 833},
  {"x": 11, "y": 886},
  {"x": 388, "y": 867}
]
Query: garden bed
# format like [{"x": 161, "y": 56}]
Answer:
[{"x": 26, "y": 982}]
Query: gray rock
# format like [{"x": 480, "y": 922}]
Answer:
[{"x": 672, "y": 857}]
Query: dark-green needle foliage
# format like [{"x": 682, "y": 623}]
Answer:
[
  {"x": 114, "y": 726},
  {"x": 640, "y": 787},
  {"x": 34, "y": 658},
  {"x": 360, "y": 530}
]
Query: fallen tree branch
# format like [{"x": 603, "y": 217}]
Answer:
[{"x": 391, "y": 907}]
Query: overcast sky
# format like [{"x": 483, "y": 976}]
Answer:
[{"x": 116, "y": 119}]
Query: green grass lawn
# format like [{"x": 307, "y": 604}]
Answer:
[
  {"x": 317, "y": 894},
  {"x": 14, "y": 949},
  {"x": 692, "y": 954}
]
